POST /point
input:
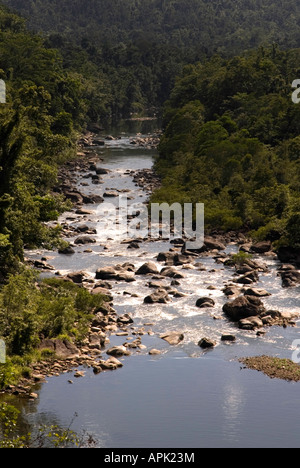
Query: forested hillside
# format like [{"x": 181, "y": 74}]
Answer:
[
  {"x": 232, "y": 141},
  {"x": 212, "y": 25},
  {"x": 46, "y": 107}
]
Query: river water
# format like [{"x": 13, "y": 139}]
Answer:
[{"x": 185, "y": 397}]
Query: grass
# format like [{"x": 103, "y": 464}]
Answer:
[{"x": 273, "y": 367}]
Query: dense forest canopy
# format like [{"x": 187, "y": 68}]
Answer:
[
  {"x": 139, "y": 46},
  {"x": 223, "y": 26},
  {"x": 232, "y": 140}
]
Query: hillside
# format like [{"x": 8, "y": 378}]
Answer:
[
  {"x": 231, "y": 141},
  {"x": 222, "y": 26}
]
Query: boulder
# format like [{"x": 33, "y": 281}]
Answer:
[
  {"x": 154, "y": 352},
  {"x": 243, "y": 307},
  {"x": 96, "y": 341},
  {"x": 228, "y": 337},
  {"x": 75, "y": 197},
  {"x": 290, "y": 277},
  {"x": 231, "y": 290},
  {"x": 171, "y": 272},
  {"x": 147, "y": 268},
  {"x": 173, "y": 258},
  {"x": 156, "y": 285},
  {"x": 173, "y": 338},
  {"x": 63, "y": 349},
  {"x": 118, "y": 273},
  {"x": 84, "y": 228},
  {"x": 110, "y": 194},
  {"x": 250, "y": 323},
  {"x": 203, "y": 302},
  {"x": 248, "y": 278},
  {"x": 206, "y": 343},
  {"x": 82, "y": 240},
  {"x": 125, "y": 276},
  {"x": 133, "y": 245},
  {"x": 261, "y": 247},
  {"x": 213, "y": 244},
  {"x": 102, "y": 171},
  {"x": 106, "y": 273},
  {"x": 92, "y": 199},
  {"x": 76, "y": 276},
  {"x": 113, "y": 360},
  {"x": 118, "y": 351},
  {"x": 66, "y": 250},
  {"x": 124, "y": 319},
  {"x": 256, "y": 292},
  {"x": 160, "y": 296}
]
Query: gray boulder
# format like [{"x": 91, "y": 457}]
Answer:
[{"x": 243, "y": 307}]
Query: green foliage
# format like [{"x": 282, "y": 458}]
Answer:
[
  {"x": 240, "y": 258},
  {"x": 216, "y": 26},
  {"x": 293, "y": 230},
  {"x": 44, "y": 436},
  {"x": 8, "y": 421},
  {"x": 30, "y": 309},
  {"x": 44, "y": 107},
  {"x": 238, "y": 156}
]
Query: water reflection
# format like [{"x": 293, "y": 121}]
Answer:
[{"x": 233, "y": 406}]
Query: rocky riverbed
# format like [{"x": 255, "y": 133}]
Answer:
[{"x": 201, "y": 299}]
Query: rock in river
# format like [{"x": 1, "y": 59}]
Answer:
[
  {"x": 206, "y": 343},
  {"x": 85, "y": 240},
  {"x": 173, "y": 338},
  {"x": 171, "y": 272},
  {"x": 251, "y": 323},
  {"x": 243, "y": 307},
  {"x": 147, "y": 268},
  {"x": 118, "y": 351},
  {"x": 256, "y": 292},
  {"x": 160, "y": 296},
  {"x": 203, "y": 302}
]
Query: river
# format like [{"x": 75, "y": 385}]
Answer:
[{"x": 185, "y": 397}]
